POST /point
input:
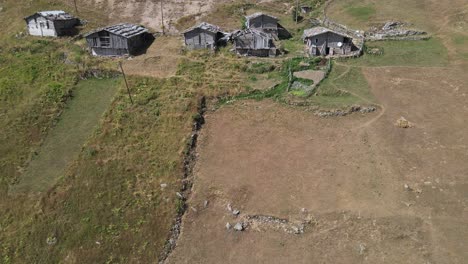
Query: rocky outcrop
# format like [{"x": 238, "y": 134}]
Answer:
[{"x": 395, "y": 30}]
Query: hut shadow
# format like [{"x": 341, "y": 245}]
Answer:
[{"x": 148, "y": 40}]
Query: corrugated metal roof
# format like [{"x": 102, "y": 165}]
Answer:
[
  {"x": 205, "y": 26},
  {"x": 255, "y": 15},
  {"x": 124, "y": 30},
  {"x": 53, "y": 15}
]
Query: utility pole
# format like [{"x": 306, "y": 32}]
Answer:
[
  {"x": 126, "y": 83},
  {"x": 162, "y": 17},
  {"x": 297, "y": 10},
  {"x": 76, "y": 7}
]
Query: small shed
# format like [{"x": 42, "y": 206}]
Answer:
[
  {"x": 119, "y": 40},
  {"x": 321, "y": 41},
  {"x": 51, "y": 23},
  {"x": 203, "y": 36},
  {"x": 263, "y": 22},
  {"x": 252, "y": 42}
]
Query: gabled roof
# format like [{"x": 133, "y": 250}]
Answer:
[
  {"x": 258, "y": 14},
  {"x": 205, "y": 26},
  {"x": 239, "y": 33},
  {"x": 53, "y": 15},
  {"x": 124, "y": 30},
  {"x": 318, "y": 31}
]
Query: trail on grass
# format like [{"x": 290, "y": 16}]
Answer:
[
  {"x": 63, "y": 143},
  {"x": 382, "y": 107}
]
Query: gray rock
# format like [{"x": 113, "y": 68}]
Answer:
[
  {"x": 163, "y": 185},
  {"x": 51, "y": 241},
  {"x": 235, "y": 212},
  {"x": 228, "y": 226},
  {"x": 229, "y": 207},
  {"x": 239, "y": 227},
  {"x": 205, "y": 203},
  {"x": 362, "y": 249}
]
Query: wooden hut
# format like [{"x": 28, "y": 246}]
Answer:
[
  {"x": 118, "y": 40},
  {"x": 51, "y": 23},
  {"x": 321, "y": 41},
  {"x": 263, "y": 22},
  {"x": 203, "y": 36},
  {"x": 252, "y": 42}
]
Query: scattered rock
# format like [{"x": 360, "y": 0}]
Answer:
[
  {"x": 205, "y": 203},
  {"x": 299, "y": 86},
  {"x": 163, "y": 185},
  {"x": 427, "y": 183},
  {"x": 239, "y": 227},
  {"x": 236, "y": 212},
  {"x": 395, "y": 30},
  {"x": 368, "y": 109},
  {"x": 193, "y": 209},
  {"x": 98, "y": 243},
  {"x": 303, "y": 210},
  {"x": 362, "y": 249},
  {"x": 179, "y": 195},
  {"x": 228, "y": 226},
  {"x": 350, "y": 110},
  {"x": 229, "y": 207},
  {"x": 407, "y": 187},
  {"x": 304, "y": 64},
  {"x": 51, "y": 241},
  {"x": 403, "y": 123}
]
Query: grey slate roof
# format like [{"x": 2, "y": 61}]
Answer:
[
  {"x": 205, "y": 26},
  {"x": 239, "y": 33},
  {"x": 255, "y": 15},
  {"x": 53, "y": 15},
  {"x": 320, "y": 30},
  {"x": 124, "y": 30}
]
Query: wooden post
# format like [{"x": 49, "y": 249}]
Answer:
[
  {"x": 297, "y": 9},
  {"x": 126, "y": 83},
  {"x": 162, "y": 18},
  {"x": 76, "y": 7}
]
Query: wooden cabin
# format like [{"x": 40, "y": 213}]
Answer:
[
  {"x": 51, "y": 24},
  {"x": 252, "y": 42},
  {"x": 203, "y": 36},
  {"x": 321, "y": 41},
  {"x": 119, "y": 40},
  {"x": 263, "y": 22}
]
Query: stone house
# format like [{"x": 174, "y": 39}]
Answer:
[
  {"x": 252, "y": 42},
  {"x": 119, "y": 40},
  {"x": 321, "y": 41},
  {"x": 203, "y": 36},
  {"x": 51, "y": 24}
]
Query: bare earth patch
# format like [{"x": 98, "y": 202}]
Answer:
[
  {"x": 159, "y": 61},
  {"x": 316, "y": 76},
  {"x": 373, "y": 193}
]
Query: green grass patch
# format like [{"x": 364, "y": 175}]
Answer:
[
  {"x": 63, "y": 143},
  {"x": 429, "y": 52},
  {"x": 459, "y": 39},
  {"x": 362, "y": 13}
]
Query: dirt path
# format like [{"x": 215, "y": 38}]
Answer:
[{"x": 63, "y": 144}]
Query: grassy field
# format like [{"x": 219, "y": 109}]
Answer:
[
  {"x": 63, "y": 144},
  {"x": 361, "y": 13},
  {"x": 429, "y": 52},
  {"x": 109, "y": 206}
]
